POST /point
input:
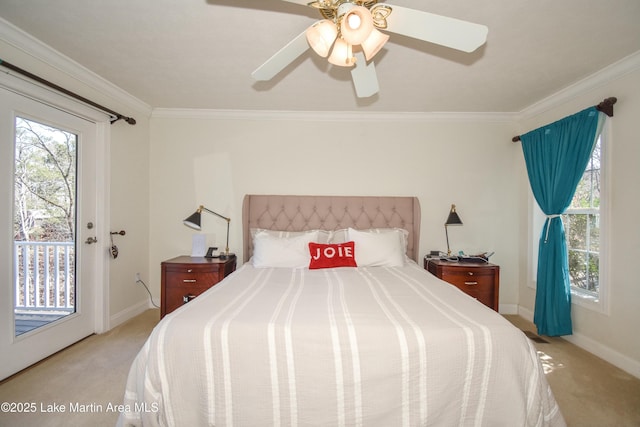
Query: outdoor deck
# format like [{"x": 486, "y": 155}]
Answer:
[{"x": 27, "y": 320}]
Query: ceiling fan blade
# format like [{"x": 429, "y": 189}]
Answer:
[
  {"x": 282, "y": 58},
  {"x": 364, "y": 77},
  {"x": 442, "y": 30}
]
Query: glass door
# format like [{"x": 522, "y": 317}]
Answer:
[
  {"x": 48, "y": 260},
  {"x": 44, "y": 228}
]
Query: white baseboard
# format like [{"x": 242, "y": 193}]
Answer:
[
  {"x": 594, "y": 347},
  {"x": 129, "y": 313}
]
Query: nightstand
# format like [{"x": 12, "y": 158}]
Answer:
[
  {"x": 185, "y": 277},
  {"x": 481, "y": 281}
]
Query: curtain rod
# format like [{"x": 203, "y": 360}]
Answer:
[
  {"x": 605, "y": 106},
  {"x": 116, "y": 116}
]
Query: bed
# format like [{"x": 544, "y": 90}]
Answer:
[{"x": 316, "y": 341}]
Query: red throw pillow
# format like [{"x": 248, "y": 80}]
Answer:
[{"x": 332, "y": 255}]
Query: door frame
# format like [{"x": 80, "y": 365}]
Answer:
[{"x": 103, "y": 175}]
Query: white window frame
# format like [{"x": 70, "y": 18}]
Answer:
[{"x": 536, "y": 223}]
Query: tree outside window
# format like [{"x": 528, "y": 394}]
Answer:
[
  {"x": 582, "y": 227},
  {"x": 45, "y": 168}
]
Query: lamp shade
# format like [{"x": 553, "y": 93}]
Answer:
[
  {"x": 342, "y": 54},
  {"x": 194, "y": 220},
  {"x": 453, "y": 218},
  {"x": 321, "y": 36},
  {"x": 373, "y": 43},
  {"x": 356, "y": 25}
]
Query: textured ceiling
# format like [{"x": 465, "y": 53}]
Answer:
[{"x": 200, "y": 53}]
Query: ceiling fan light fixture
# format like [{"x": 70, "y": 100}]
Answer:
[
  {"x": 321, "y": 36},
  {"x": 356, "y": 25},
  {"x": 342, "y": 54},
  {"x": 354, "y": 21},
  {"x": 374, "y": 43},
  {"x": 347, "y": 35}
]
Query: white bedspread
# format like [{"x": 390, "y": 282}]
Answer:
[{"x": 338, "y": 347}]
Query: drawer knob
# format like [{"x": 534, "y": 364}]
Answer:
[
  {"x": 470, "y": 283},
  {"x": 189, "y": 270},
  {"x": 187, "y": 298},
  {"x": 189, "y": 281},
  {"x": 470, "y": 273}
]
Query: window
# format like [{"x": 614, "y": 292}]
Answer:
[
  {"x": 44, "y": 227},
  {"x": 586, "y": 222},
  {"x": 583, "y": 228}
]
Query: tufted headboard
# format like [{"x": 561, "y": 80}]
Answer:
[{"x": 299, "y": 213}]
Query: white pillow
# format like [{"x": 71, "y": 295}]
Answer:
[
  {"x": 339, "y": 236},
  {"x": 378, "y": 248},
  {"x": 342, "y": 236},
  {"x": 271, "y": 250},
  {"x": 323, "y": 235}
]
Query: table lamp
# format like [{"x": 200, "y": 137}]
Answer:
[
  {"x": 193, "y": 221},
  {"x": 453, "y": 219}
]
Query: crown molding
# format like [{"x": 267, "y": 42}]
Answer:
[
  {"x": 40, "y": 51},
  {"x": 599, "y": 79},
  {"x": 614, "y": 71},
  {"x": 329, "y": 116}
]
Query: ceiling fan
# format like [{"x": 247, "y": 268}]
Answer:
[{"x": 349, "y": 36}]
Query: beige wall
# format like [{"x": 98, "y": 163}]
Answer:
[
  {"x": 129, "y": 210},
  {"x": 612, "y": 335},
  {"x": 216, "y": 162}
]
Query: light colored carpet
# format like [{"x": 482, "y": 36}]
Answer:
[
  {"x": 590, "y": 392},
  {"x": 92, "y": 372}
]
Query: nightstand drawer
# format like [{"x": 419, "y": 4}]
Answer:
[
  {"x": 469, "y": 278},
  {"x": 177, "y": 296},
  {"x": 482, "y": 292},
  {"x": 480, "y": 281},
  {"x": 184, "y": 278}
]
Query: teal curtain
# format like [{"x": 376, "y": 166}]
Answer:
[{"x": 556, "y": 156}]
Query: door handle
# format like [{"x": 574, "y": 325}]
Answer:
[{"x": 91, "y": 240}]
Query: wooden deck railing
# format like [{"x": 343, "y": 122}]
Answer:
[{"x": 44, "y": 276}]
